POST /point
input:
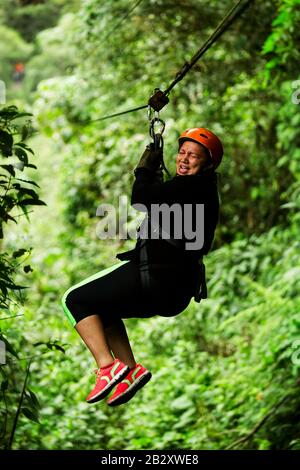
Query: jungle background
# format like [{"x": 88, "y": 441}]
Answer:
[{"x": 225, "y": 371}]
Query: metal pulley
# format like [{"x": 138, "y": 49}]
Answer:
[{"x": 158, "y": 100}]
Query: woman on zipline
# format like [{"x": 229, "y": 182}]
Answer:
[{"x": 161, "y": 274}]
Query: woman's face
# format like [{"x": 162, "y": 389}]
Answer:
[{"x": 190, "y": 159}]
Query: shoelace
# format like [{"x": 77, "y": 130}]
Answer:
[
  {"x": 97, "y": 372},
  {"x": 100, "y": 370}
]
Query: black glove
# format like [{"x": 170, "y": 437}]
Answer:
[{"x": 151, "y": 159}]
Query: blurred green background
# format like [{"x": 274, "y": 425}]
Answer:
[{"x": 226, "y": 371}]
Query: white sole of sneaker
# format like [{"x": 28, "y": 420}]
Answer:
[{"x": 106, "y": 390}]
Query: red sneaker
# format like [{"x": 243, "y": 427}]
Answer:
[
  {"x": 136, "y": 379},
  {"x": 107, "y": 378}
]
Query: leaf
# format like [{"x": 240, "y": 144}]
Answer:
[
  {"x": 6, "y": 143},
  {"x": 33, "y": 202},
  {"x": 18, "y": 253},
  {"x": 59, "y": 348},
  {"x": 9, "y": 169},
  {"x": 19, "y": 115},
  {"x": 25, "y": 132},
  {"x": 182, "y": 403},
  {"x": 28, "y": 181},
  {"x": 24, "y": 146},
  {"x": 34, "y": 400},
  {"x": 269, "y": 45},
  {"x": 8, "y": 111},
  {"x": 3, "y": 289},
  {"x": 9, "y": 217},
  {"x": 29, "y": 192},
  {"x": 16, "y": 287},
  {"x": 272, "y": 64},
  {"x": 30, "y": 414},
  {"x": 52, "y": 345},
  {"x": 21, "y": 154}
]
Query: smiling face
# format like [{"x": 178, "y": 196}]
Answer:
[{"x": 190, "y": 159}]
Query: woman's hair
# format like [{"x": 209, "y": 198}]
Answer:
[{"x": 209, "y": 162}]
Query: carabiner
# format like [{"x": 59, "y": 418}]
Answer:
[
  {"x": 157, "y": 127},
  {"x": 158, "y": 123}
]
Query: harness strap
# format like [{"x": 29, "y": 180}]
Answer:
[
  {"x": 200, "y": 288},
  {"x": 144, "y": 267}
]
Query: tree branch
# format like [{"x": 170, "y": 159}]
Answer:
[{"x": 258, "y": 425}]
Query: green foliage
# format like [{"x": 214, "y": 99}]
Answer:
[
  {"x": 282, "y": 46},
  {"x": 225, "y": 372},
  {"x": 14, "y": 194},
  {"x": 52, "y": 57},
  {"x": 29, "y": 19},
  {"x": 14, "y": 152}
]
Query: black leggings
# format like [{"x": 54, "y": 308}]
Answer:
[{"x": 116, "y": 292}]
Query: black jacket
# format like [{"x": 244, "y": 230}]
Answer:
[{"x": 189, "y": 189}]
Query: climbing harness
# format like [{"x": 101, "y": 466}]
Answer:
[{"x": 144, "y": 265}]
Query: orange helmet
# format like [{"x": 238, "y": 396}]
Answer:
[{"x": 209, "y": 140}]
